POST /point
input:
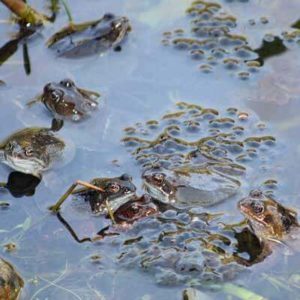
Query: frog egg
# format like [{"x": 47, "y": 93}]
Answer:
[
  {"x": 167, "y": 34},
  {"x": 181, "y": 44},
  {"x": 169, "y": 278},
  {"x": 212, "y": 61},
  {"x": 243, "y": 116},
  {"x": 244, "y": 75},
  {"x": 190, "y": 263},
  {"x": 197, "y": 54},
  {"x": 245, "y": 52},
  {"x": 261, "y": 126},
  {"x": 210, "y": 44},
  {"x": 252, "y": 153},
  {"x": 198, "y": 224},
  {"x": 206, "y": 68},
  {"x": 170, "y": 214},
  {"x": 271, "y": 183},
  {"x": 179, "y": 32},
  {"x": 238, "y": 130},
  {"x": 218, "y": 52},
  {"x": 184, "y": 218},
  {"x": 231, "y": 110},
  {"x": 253, "y": 66},
  {"x": 231, "y": 63}
]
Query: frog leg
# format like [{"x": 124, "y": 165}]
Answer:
[
  {"x": 34, "y": 101},
  {"x": 91, "y": 95},
  {"x": 233, "y": 226}
]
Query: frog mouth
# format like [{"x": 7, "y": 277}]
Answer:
[
  {"x": 114, "y": 203},
  {"x": 32, "y": 166}
]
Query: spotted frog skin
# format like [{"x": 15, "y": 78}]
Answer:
[
  {"x": 267, "y": 218},
  {"x": 80, "y": 40},
  {"x": 10, "y": 281},
  {"x": 117, "y": 191},
  {"x": 66, "y": 101},
  {"x": 31, "y": 150},
  {"x": 135, "y": 210},
  {"x": 187, "y": 187}
]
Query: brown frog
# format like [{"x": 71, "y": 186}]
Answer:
[
  {"x": 102, "y": 193},
  {"x": 268, "y": 219},
  {"x": 270, "y": 224},
  {"x": 31, "y": 150},
  {"x": 11, "y": 282},
  {"x": 66, "y": 101},
  {"x": 132, "y": 211}
]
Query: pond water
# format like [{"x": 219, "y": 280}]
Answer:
[{"x": 140, "y": 83}]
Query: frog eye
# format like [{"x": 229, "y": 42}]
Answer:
[
  {"x": 67, "y": 83},
  {"x": 256, "y": 193},
  {"x": 108, "y": 16},
  {"x": 55, "y": 96},
  {"x": 159, "y": 177},
  {"x": 257, "y": 207},
  {"x": 126, "y": 190},
  {"x": 29, "y": 152},
  {"x": 126, "y": 177},
  {"x": 114, "y": 188}
]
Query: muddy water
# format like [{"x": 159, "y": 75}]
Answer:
[{"x": 140, "y": 83}]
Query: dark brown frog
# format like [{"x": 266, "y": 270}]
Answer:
[
  {"x": 135, "y": 210},
  {"x": 102, "y": 193},
  {"x": 66, "y": 101}
]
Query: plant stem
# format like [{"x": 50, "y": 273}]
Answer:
[
  {"x": 24, "y": 11},
  {"x": 66, "y": 7}
]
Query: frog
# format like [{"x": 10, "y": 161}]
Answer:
[
  {"x": 11, "y": 282},
  {"x": 135, "y": 210},
  {"x": 190, "y": 186},
  {"x": 268, "y": 219},
  {"x": 84, "y": 39},
  {"x": 66, "y": 101},
  {"x": 31, "y": 150},
  {"x": 105, "y": 195},
  {"x": 267, "y": 224}
]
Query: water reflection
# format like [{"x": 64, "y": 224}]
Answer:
[{"x": 20, "y": 184}]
